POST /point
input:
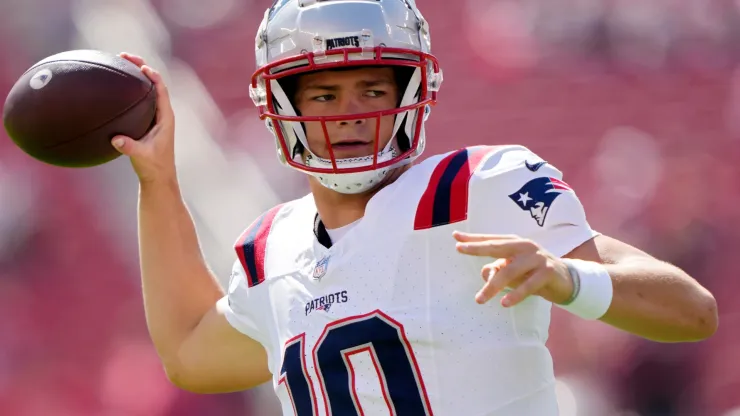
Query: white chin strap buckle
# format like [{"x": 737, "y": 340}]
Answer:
[{"x": 352, "y": 183}]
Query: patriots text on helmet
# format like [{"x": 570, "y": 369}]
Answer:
[{"x": 347, "y": 41}]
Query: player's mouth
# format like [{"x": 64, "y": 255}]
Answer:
[{"x": 352, "y": 148}]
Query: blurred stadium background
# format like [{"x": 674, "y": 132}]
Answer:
[{"x": 637, "y": 102}]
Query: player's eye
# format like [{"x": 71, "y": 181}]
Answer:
[
  {"x": 375, "y": 93},
  {"x": 323, "y": 98}
]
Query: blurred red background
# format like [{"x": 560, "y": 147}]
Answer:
[{"x": 636, "y": 103}]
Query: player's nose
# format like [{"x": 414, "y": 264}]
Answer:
[
  {"x": 349, "y": 106},
  {"x": 347, "y": 122}
]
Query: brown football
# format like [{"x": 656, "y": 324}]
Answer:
[{"x": 66, "y": 108}]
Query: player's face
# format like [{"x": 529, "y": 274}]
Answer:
[{"x": 332, "y": 93}]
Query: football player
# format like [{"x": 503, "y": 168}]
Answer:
[{"x": 393, "y": 287}]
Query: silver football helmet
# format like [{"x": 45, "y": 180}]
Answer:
[{"x": 301, "y": 36}]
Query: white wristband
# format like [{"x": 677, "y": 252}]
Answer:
[{"x": 593, "y": 289}]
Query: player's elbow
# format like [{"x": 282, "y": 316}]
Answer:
[
  {"x": 201, "y": 381},
  {"x": 700, "y": 319},
  {"x": 707, "y": 317},
  {"x": 179, "y": 378},
  {"x": 182, "y": 380}
]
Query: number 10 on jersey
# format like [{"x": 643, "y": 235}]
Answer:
[{"x": 375, "y": 333}]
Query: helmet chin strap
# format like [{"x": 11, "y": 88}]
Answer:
[{"x": 357, "y": 182}]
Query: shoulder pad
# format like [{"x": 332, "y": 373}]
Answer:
[
  {"x": 445, "y": 200},
  {"x": 504, "y": 159},
  {"x": 252, "y": 245}
]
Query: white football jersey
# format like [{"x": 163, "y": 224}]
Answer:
[{"x": 384, "y": 321}]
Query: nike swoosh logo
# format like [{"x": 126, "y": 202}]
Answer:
[{"x": 534, "y": 167}]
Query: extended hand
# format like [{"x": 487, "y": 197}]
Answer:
[{"x": 519, "y": 264}]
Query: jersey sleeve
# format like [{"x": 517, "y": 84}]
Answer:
[
  {"x": 242, "y": 307},
  {"x": 246, "y": 305},
  {"x": 514, "y": 191}
]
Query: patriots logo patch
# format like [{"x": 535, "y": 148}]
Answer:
[{"x": 537, "y": 195}]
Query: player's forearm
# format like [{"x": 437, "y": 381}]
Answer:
[
  {"x": 658, "y": 301},
  {"x": 178, "y": 286}
]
